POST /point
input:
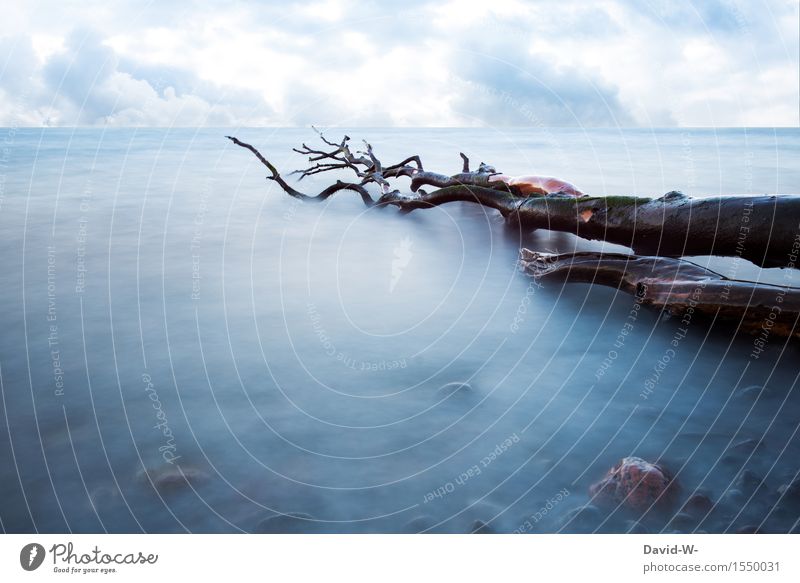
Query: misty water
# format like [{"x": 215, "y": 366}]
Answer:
[{"x": 162, "y": 302}]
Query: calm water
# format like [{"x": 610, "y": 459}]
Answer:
[{"x": 162, "y": 301}]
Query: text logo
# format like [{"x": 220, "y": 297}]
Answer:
[
  {"x": 31, "y": 556},
  {"x": 402, "y": 257}
]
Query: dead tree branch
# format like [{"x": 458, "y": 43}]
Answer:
[
  {"x": 762, "y": 229},
  {"x": 678, "y": 287}
]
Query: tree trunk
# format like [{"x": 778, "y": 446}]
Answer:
[
  {"x": 762, "y": 229},
  {"x": 679, "y": 287}
]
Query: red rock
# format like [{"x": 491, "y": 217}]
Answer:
[{"x": 634, "y": 483}]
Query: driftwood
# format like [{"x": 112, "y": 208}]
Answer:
[
  {"x": 679, "y": 287},
  {"x": 762, "y": 229}
]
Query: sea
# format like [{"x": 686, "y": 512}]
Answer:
[{"x": 185, "y": 348}]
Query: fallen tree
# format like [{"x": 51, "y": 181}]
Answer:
[
  {"x": 762, "y": 229},
  {"x": 677, "y": 286}
]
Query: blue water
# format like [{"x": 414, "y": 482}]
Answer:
[{"x": 162, "y": 303}]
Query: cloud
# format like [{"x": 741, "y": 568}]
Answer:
[
  {"x": 88, "y": 84},
  {"x": 422, "y": 63}
]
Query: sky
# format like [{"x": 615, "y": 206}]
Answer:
[{"x": 495, "y": 63}]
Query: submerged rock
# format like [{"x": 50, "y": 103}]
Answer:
[
  {"x": 290, "y": 523},
  {"x": 732, "y": 499},
  {"x": 790, "y": 492},
  {"x": 683, "y": 521},
  {"x": 748, "y": 483},
  {"x": 635, "y": 527},
  {"x": 747, "y": 446},
  {"x": 480, "y": 527},
  {"x": 418, "y": 524},
  {"x": 698, "y": 505},
  {"x": 586, "y": 518},
  {"x": 788, "y": 500},
  {"x": 172, "y": 478},
  {"x": 636, "y": 484}
]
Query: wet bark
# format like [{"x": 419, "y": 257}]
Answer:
[
  {"x": 679, "y": 287},
  {"x": 763, "y": 229}
]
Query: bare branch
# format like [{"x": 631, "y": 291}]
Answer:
[{"x": 332, "y": 189}]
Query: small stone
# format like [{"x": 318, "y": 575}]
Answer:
[
  {"x": 698, "y": 505},
  {"x": 172, "y": 478},
  {"x": 790, "y": 492},
  {"x": 480, "y": 527},
  {"x": 747, "y": 446},
  {"x": 682, "y": 521},
  {"x": 733, "y": 498},
  {"x": 418, "y": 524},
  {"x": 290, "y": 523},
  {"x": 748, "y": 482},
  {"x": 635, "y": 484},
  {"x": 749, "y": 529},
  {"x": 582, "y": 519},
  {"x": 635, "y": 527}
]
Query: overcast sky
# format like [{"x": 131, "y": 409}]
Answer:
[{"x": 413, "y": 63}]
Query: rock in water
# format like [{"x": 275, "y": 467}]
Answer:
[
  {"x": 698, "y": 505},
  {"x": 635, "y": 527},
  {"x": 636, "y": 484},
  {"x": 683, "y": 522},
  {"x": 790, "y": 492},
  {"x": 749, "y": 482},
  {"x": 583, "y": 519},
  {"x": 418, "y": 525},
  {"x": 172, "y": 478}
]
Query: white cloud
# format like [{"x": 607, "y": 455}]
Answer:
[{"x": 425, "y": 63}]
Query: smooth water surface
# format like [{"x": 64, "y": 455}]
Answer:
[{"x": 162, "y": 302}]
